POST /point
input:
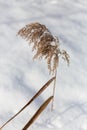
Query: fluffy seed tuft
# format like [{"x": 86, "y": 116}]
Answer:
[{"x": 45, "y": 44}]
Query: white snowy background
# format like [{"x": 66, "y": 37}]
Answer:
[{"x": 21, "y": 78}]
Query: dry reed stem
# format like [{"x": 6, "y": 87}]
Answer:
[
  {"x": 45, "y": 44},
  {"x": 39, "y": 111},
  {"x": 32, "y": 99}
]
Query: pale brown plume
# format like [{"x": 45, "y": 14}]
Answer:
[{"x": 45, "y": 44}]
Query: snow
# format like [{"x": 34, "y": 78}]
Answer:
[{"x": 21, "y": 78}]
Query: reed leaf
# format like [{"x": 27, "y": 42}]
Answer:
[
  {"x": 39, "y": 111},
  {"x": 30, "y": 101}
]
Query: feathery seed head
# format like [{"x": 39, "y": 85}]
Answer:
[{"x": 45, "y": 44}]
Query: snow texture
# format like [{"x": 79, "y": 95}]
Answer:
[{"x": 21, "y": 78}]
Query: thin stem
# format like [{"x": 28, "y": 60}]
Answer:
[{"x": 54, "y": 86}]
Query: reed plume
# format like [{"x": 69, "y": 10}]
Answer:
[{"x": 45, "y": 44}]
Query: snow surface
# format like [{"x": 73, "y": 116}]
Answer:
[{"x": 21, "y": 78}]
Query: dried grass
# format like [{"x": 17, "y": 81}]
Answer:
[
  {"x": 46, "y": 46},
  {"x": 39, "y": 111}
]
